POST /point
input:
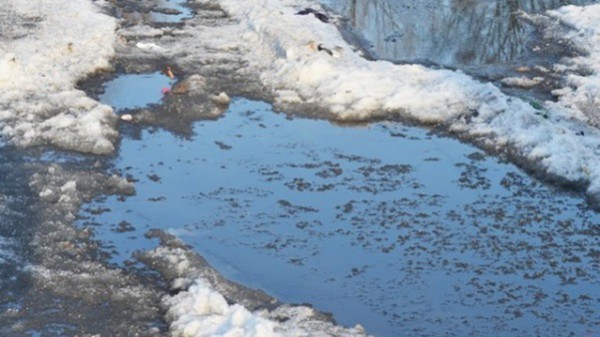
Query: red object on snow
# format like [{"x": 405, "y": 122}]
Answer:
[{"x": 165, "y": 91}]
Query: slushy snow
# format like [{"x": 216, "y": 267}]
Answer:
[{"x": 46, "y": 46}]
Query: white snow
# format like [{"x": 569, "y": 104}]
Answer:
[
  {"x": 582, "y": 94},
  {"x": 201, "y": 311},
  {"x": 51, "y": 45}
]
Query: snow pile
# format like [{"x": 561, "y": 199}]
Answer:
[
  {"x": 582, "y": 93},
  {"x": 305, "y": 60},
  {"x": 201, "y": 311},
  {"x": 52, "y": 45},
  {"x": 202, "y": 305},
  {"x": 307, "y": 65}
]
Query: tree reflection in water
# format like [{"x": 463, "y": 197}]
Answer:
[{"x": 448, "y": 32}]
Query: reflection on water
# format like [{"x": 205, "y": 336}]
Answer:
[
  {"x": 154, "y": 11},
  {"x": 135, "y": 90},
  {"x": 448, "y": 32}
]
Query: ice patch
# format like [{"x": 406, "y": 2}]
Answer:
[{"x": 54, "y": 45}]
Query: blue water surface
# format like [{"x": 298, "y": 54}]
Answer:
[{"x": 384, "y": 225}]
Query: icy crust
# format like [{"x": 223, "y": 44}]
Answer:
[
  {"x": 52, "y": 45},
  {"x": 306, "y": 65},
  {"x": 206, "y": 304}
]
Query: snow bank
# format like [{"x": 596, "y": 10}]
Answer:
[
  {"x": 49, "y": 47},
  {"x": 307, "y": 64},
  {"x": 286, "y": 50}
]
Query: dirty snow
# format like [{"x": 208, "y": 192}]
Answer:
[{"x": 45, "y": 48}]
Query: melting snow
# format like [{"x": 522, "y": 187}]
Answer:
[
  {"x": 52, "y": 45},
  {"x": 304, "y": 62}
]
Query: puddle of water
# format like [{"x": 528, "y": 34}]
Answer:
[
  {"x": 171, "y": 11},
  {"x": 453, "y": 33},
  {"x": 404, "y": 232},
  {"x": 155, "y": 11},
  {"x": 133, "y": 91}
]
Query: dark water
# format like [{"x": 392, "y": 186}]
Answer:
[
  {"x": 385, "y": 225},
  {"x": 455, "y": 33}
]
